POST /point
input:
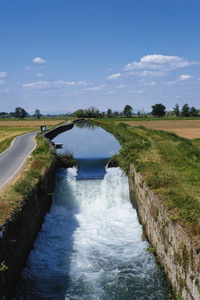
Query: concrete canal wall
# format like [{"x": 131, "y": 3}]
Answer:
[
  {"x": 54, "y": 132},
  {"x": 57, "y": 130}
]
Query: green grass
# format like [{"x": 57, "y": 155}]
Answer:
[
  {"x": 13, "y": 195},
  {"x": 147, "y": 118},
  {"x": 170, "y": 166}
]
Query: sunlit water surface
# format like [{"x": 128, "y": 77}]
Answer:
[{"x": 90, "y": 244}]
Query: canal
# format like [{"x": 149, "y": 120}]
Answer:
[{"x": 90, "y": 245}]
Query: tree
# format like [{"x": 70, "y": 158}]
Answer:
[
  {"x": 185, "y": 110},
  {"x": 37, "y": 112},
  {"x": 176, "y": 110},
  {"x": 102, "y": 114},
  {"x": 92, "y": 112},
  {"x": 20, "y": 113},
  {"x": 116, "y": 114},
  {"x": 128, "y": 111},
  {"x": 139, "y": 113},
  {"x": 194, "y": 112},
  {"x": 79, "y": 113},
  {"x": 158, "y": 110},
  {"x": 109, "y": 113}
]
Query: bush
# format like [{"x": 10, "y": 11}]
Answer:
[{"x": 65, "y": 160}]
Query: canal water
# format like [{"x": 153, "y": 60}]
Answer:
[{"x": 90, "y": 244}]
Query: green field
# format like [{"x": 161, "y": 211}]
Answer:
[{"x": 170, "y": 166}]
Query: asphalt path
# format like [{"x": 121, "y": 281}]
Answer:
[{"x": 13, "y": 159}]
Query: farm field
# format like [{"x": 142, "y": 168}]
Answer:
[
  {"x": 189, "y": 129},
  {"x": 169, "y": 165},
  {"x": 30, "y": 123},
  {"x": 9, "y": 129}
]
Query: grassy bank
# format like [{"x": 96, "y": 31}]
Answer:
[
  {"x": 23, "y": 185},
  {"x": 169, "y": 164},
  {"x": 149, "y": 118}
]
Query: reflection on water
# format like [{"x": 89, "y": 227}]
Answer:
[
  {"x": 85, "y": 124},
  {"x": 88, "y": 141}
]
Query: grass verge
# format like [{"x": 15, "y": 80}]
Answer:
[
  {"x": 23, "y": 185},
  {"x": 170, "y": 166}
]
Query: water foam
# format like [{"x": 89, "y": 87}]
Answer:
[{"x": 90, "y": 245}]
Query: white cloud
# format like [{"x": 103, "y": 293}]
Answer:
[
  {"x": 152, "y": 74},
  {"x": 110, "y": 92},
  {"x": 159, "y": 62},
  {"x": 114, "y": 76},
  {"x": 3, "y": 74},
  {"x": 121, "y": 86},
  {"x": 147, "y": 73},
  {"x": 153, "y": 83},
  {"x": 58, "y": 83},
  {"x": 83, "y": 83},
  {"x": 135, "y": 92},
  {"x": 5, "y": 91},
  {"x": 39, "y": 74},
  {"x": 171, "y": 82},
  {"x": 70, "y": 83},
  {"x": 49, "y": 85},
  {"x": 181, "y": 78},
  {"x": 37, "y": 85},
  {"x": 38, "y": 60},
  {"x": 185, "y": 77},
  {"x": 95, "y": 88},
  {"x": 35, "y": 68},
  {"x": 2, "y": 82}
]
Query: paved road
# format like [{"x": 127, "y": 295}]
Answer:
[{"x": 13, "y": 159}]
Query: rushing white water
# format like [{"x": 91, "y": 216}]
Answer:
[{"x": 90, "y": 245}]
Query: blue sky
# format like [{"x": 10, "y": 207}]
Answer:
[{"x": 61, "y": 55}]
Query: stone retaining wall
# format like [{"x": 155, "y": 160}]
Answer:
[{"x": 177, "y": 253}]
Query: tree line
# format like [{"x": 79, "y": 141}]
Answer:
[
  {"x": 19, "y": 113},
  {"x": 93, "y": 112},
  {"x": 158, "y": 110}
]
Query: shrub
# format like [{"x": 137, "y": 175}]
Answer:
[{"x": 65, "y": 160}]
